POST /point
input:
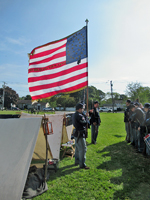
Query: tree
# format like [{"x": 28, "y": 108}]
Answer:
[
  {"x": 137, "y": 91},
  {"x": 62, "y": 100},
  {"x": 21, "y": 98},
  {"x": 133, "y": 90},
  {"x": 123, "y": 97},
  {"x": 70, "y": 102},
  {"x": 10, "y": 96},
  {"x": 78, "y": 96},
  {"x": 28, "y": 97},
  {"x": 100, "y": 95},
  {"x": 144, "y": 95},
  {"x": 53, "y": 101},
  {"x": 92, "y": 91}
]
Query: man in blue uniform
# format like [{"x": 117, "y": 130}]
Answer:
[
  {"x": 126, "y": 120},
  {"x": 80, "y": 122},
  {"x": 95, "y": 122},
  {"x": 147, "y": 126}
]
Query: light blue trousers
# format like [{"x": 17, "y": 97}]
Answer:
[{"x": 80, "y": 151}]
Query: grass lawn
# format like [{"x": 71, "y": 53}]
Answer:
[
  {"x": 10, "y": 112},
  {"x": 41, "y": 112},
  {"x": 116, "y": 171},
  {"x": 13, "y": 112}
]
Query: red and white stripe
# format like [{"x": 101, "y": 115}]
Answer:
[{"x": 48, "y": 73}]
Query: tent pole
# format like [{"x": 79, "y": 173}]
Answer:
[{"x": 46, "y": 160}]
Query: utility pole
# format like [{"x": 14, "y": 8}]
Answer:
[
  {"x": 111, "y": 86},
  {"x": 3, "y": 94}
]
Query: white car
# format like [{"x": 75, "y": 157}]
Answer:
[
  {"x": 103, "y": 109},
  {"x": 48, "y": 109}
]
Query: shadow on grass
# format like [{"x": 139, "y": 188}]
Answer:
[
  {"x": 89, "y": 144},
  {"x": 63, "y": 171},
  {"x": 134, "y": 168},
  {"x": 118, "y": 136}
]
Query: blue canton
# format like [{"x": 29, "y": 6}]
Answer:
[{"x": 76, "y": 47}]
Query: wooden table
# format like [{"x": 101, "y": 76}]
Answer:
[{"x": 70, "y": 145}]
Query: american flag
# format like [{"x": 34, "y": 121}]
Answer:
[{"x": 59, "y": 66}]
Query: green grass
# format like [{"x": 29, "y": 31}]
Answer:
[
  {"x": 116, "y": 171},
  {"x": 13, "y": 112},
  {"x": 9, "y": 112},
  {"x": 41, "y": 112}
]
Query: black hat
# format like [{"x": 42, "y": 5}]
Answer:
[
  {"x": 146, "y": 105},
  {"x": 96, "y": 102},
  {"x": 128, "y": 101},
  {"x": 132, "y": 106},
  {"x": 79, "y": 105},
  {"x": 82, "y": 102},
  {"x": 136, "y": 104}
]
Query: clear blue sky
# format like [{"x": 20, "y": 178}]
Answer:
[{"x": 118, "y": 37}]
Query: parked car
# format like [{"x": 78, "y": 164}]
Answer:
[
  {"x": 103, "y": 109},
  {"x": 48, "y": 109},
  {"x": 15, "y": 108}
]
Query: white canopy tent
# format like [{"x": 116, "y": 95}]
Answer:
[
  {"x": 54, "y": 140},
  {"x": 17, "y": 143}
]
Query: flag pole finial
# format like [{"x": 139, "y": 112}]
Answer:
[{"x": 86, "y": 21}]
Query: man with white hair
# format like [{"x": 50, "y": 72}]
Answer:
[{"x": 138, "y": 117}]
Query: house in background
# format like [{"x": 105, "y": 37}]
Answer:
[
  {"x": 28, "y": 104},
  {"x": 120, "y": 104}
]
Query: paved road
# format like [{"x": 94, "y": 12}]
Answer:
[{"x": 62, "y": 112}]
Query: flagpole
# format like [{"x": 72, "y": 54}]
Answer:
[
  {"x": 87, "y": 103},
  {"x": 87, "y": 99}
]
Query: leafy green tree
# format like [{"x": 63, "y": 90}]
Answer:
[
  {"x": 53, "y": 101},
  {"x": 92, "y": 91},
  {"x": 144, "y": 95},
  {"x": 28, "y": 97},
  {"x": 133, "y": 90},
  {"x": 62, "y": 100},
  {"x": 137, "y": 91},
  {"x": 100, "y": 95},
  {"x": 78, "y": 96},
  {"x": 123, "y": 97},
  {"x": 70, "y": 102},
  {"x": 21, "y": 98}
]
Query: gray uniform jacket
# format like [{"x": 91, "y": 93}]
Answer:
[{"x": 138, "y": 117}]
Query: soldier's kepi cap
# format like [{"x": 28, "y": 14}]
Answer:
[
  {"x": 96, "y": 102},
  {"x": 128, "y": 101},
  {"x": 136, "y": 104},
  {"x": 79, "y": 105},
  {"x": 132, "y": 106},
  {"x": 146, "y": 105}
]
